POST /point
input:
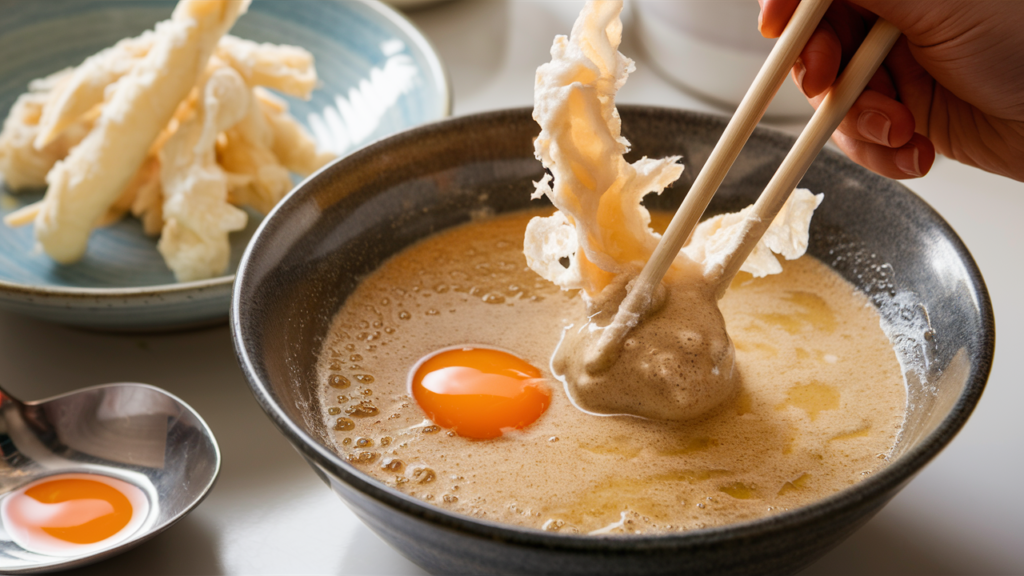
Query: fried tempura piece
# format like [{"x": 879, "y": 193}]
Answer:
[
  {"x": 292, "y": 143},
  {"x": 278, "y": 66},
  {"x": 197, "y": 216},
  {"x": 581, "y": 143},
  {"x": 87, "y": 84},
  {"x": 285, "y": 68},
  {"x": 715, "y": 239},
  {"x": 261, "y": 150},
  {"x": 126, "y": 91},
  {"x": 24, "y": 215},
  {"x": 142, "y": 197},
  {"x": 120, "y": 207},
  {"x": 149, "y": 198},
  {"x": 246, "y": 151},
  {"x": 93, "y": 176},
  {"x": 23, "y": 165}
]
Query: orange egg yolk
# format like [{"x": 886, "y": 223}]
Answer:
[
  {"x": 97, "y": 510},
  {"x": 480, "y": 392}
]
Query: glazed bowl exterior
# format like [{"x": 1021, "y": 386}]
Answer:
[{"x": 342, "y": 223}]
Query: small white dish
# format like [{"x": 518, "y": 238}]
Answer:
[{"x": 713, "y": 50}]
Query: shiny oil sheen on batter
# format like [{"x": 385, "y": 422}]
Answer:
[{"x": 821, "y": 401}]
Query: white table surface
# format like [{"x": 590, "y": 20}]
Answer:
[{"x": 269, "y": 514}]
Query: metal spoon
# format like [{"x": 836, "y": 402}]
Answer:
[{"x": 131, "y": 432}]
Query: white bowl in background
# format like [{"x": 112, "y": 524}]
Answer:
[{"x": 713, "y": 50}]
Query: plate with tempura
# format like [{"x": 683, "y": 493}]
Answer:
[{"x": 143, "y": 142}]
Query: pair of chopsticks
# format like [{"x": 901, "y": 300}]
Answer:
[{"x": 821, "y": 126}]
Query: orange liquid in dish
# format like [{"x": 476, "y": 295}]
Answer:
[
  {"x": 480, "y": 392},
  {"x": 92, "y": 511}
]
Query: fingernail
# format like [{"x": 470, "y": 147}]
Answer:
[
  {"x": 760, "y": 18},
  {"x": 799, "y": 70},
  {"x": 875, "y": 127},
  {"x": 908, "y": 161}
]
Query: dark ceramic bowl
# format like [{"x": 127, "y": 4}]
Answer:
[{"x": 340, "y": 224}]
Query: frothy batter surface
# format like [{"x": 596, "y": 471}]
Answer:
[{"x": 821, "y": 400}]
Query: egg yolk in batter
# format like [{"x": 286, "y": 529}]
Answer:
[{"x": 479, "y": 392}]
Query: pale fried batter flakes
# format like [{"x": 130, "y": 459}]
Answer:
[
  {"x": 170, "y": 126},
  {"x": 197, "y": 216}
]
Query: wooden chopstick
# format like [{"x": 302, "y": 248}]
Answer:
[
  {"x": 826, "y": 119},
  {"x": 768, "y": 81}
]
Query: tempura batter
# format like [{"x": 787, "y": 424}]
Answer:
[
  {"x": 665, "y": 354},
  {"x": 820, "y": 404}
]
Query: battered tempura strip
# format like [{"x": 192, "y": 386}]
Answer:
[
  {"x": 147, "y": 204},
  {"x": 581, "y": 143},
  {"x": 281, "y": 67},
  {"x": 292, "y": 144},
  {"x": 197, "y": 216},
  {"x": 22, "y": 164},
  {"x": 87, "y": 84},
  {"x": 246, "y": 150},
  {"x": 92, "y": 177},
  {"x": 262, "y": 148},
  {"x": 285, "y": 68}
]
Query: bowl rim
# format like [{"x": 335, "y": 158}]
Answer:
[
  {"x": 36, "y": 290},
  {"x": 435, "y": 66},
  {"x": 874, "y": 488}
]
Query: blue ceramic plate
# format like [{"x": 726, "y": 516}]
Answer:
[{"x": 378, "y": 76}]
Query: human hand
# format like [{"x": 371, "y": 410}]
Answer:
[{"x": 953, "y": 83}]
